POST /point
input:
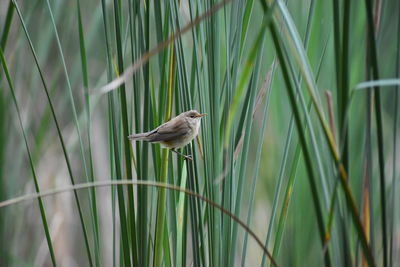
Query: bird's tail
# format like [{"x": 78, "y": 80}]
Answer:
[{"x": 139, "y": 137}]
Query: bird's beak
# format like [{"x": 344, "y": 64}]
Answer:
[{"x": 201, "y": 115}]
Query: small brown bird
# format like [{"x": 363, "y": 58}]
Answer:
[{"x": 176, "y": 133}]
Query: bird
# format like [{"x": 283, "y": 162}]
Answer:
[{"x": 175, "y": 133}]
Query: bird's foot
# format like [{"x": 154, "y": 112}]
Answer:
[{"x": 188, "y": 157}]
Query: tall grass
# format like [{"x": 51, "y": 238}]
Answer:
[{"x": 273, "y": 181}]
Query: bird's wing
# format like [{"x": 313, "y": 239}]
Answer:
[{"x": 169, "y": 131}]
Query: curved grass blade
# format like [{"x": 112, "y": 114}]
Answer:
[
  {"x": 118, "y": 183},
  {"x": 378, "y": 84}
]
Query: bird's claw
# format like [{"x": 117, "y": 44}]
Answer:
[{"x": 188, "y": 157}]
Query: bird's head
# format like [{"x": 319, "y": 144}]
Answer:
[{"x": 193, "y": 116}]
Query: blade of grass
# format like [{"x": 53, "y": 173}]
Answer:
[
  {"x": 7, "y": 25},
  {"x": 186, "y": 97},
  {"x": 180, "y": 213},
  {"x": 394, "y": 175},
  {"x": 378, "y": 117},
  {"x": 120, "y": 193},
  {"x": 89, "y": 134},
  {"x": 377, "y": 83},
  {"x": 141, "y": 124},
  {"x": 161, "y": 203},
  {"x": 32, "y": 166},
  {"x": 344, "y": 87},
  {"x": 125, "y": 141},
  {"x": 58, "y": 132}
]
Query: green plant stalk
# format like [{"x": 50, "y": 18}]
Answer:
[
  {"x": 213, "y": 64},
  {"x": 203, "y": 93},
  {"x": 166, "y": 246},
  {"x": 135, "y": 28},
  {"x": 395, "y": 128},
  {"x": 338, "y": 52},
  {"x": 7, "y": 25},
  {"x": 378, "y": 116},
  {"x": 58, "y": 132},
  {"x": 89, "y": 133},
  {"x": 186, "y": 93},
  {"x": 110, "y": 131},
  {"x": 146, "y": 126},
  {"x": 125, "y": 251},
  {"x": 345, "y": 62},
  {"x": 179, "y": 221},
  {"x": 158, "y": 251},
  {"x": 125, "y": 141},
  {"x": 162, "y": 195},
  {"x": 37, "y": 187}
]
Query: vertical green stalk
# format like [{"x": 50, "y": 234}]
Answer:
[
  {"x": 123, "y": 220},
  {"x": 344, "y": 124},
  {"x": 89, "y": 134},
  {"x": 213, "y": 60},
  {"x": 395, "y": 134},
  {"x": 125, "y": 133},
  {"x": 162, "y": 195},
  {"x": 111, "y": 137},
  {"x": 379, "y": 124},
  {"x": 144, "y": 41},
  {"x": 7, "y": 25}
]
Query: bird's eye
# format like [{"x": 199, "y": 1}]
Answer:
[{"x": 192, "y": 116}]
